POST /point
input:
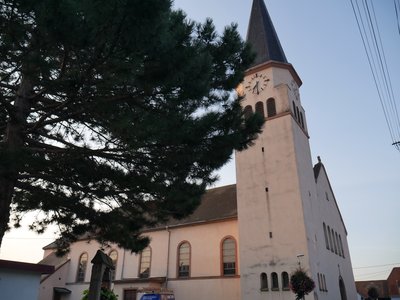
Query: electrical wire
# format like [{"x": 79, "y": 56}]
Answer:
[
  {"x": 376, "y": 266},
  {"x": 397, "y": 10},
  {"x": 371, "y": 37}
]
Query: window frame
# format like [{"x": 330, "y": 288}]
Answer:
[
  {"x": 247, "y": 111},
  {"x": 263, "y": 282},
  {"x": 259, "y": 108},
  {"x": 178, "y": 275},
  {"x": 326, "y": 236},
  {"x": 143, "y": 274},
  {"x": 285, "y": 281},
  {"x": 274, "y": 281},
  {"x": 79, "y": 271},
  {"x": 271, "y": 107},
  {"x": 113, "y": 272},
  {"x": 222, "y": 257}
]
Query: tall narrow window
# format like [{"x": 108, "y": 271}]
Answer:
[
  {"x": 341, "y": 245},
  {"x": 229, "y": 257},
  {"x": 248, "y": 111},
  {"x": 301, "y": 120},
  {"x": 326, "y": 237},
  {"x": 82, "y": 264},
  {"x": 260, "y": 108},
  {"x": 114, "y": 257},
  {"x": 324, "y": 281},
  {"x": 319, "y": 281},
  {"x": 271, "y": 108},
  {"x": 145, "y": 262},
  {"x": 285, "y": 281},
  {"x": 184, "y": 259},
  {"x": 334, "y": 241},
  {"x": 263, "y": 282},
  {"x": 274, "y": 282},
  {"x": 295, "y": 111},
  {"x": 337, "y": 243},
  {"x": 330, "y": 239}
]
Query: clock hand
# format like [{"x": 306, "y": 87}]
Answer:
[{"x": 255, "y": 88}]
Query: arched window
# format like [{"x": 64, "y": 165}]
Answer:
[
  {"x": 326, "y": 237},
  {"x": 271, "y": 108},
  {"x": 285, "y": 281},
  {"x": 264, "y": 282},
  {"x": 228, "y": 257},
  {"x": 82, "y": 264},
  {"x": 260, "y": 108},
  {"x": 248, "y": 111},
  {"x": 184, "y": 259},
  {"x": 341, "y": 245},
  {"x": 334, "y": 241},
  {"x": 145, "y": 262},
  {"x": 330, "y": 239},
  {"x": 114, "y": 257},
  {"x": 274, "y": 282}
]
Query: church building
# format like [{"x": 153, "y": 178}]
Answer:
[{"x": 245, "y": 240}]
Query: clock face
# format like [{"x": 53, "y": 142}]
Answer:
[{"x": 257, "y": 83}]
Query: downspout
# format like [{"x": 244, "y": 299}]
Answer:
[
  {"x": 123, "y": 264},
  {"x": 168, "y": 244}
]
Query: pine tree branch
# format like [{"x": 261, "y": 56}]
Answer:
[{"x": 8, "y": 86}]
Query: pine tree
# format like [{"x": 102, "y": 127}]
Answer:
[{"x": 114, "y": 114}]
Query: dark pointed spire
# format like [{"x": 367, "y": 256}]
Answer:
[{"x": 262, "y": 36}]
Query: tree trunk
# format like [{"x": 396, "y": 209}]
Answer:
[{"x": 11, "y": 146}]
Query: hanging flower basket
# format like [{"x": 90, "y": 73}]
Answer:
[{"x": 301, "y": 284}]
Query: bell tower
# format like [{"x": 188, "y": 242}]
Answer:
[{"x": 275, "y": 178}]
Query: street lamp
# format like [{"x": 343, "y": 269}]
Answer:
[{"x": 298, "y": 258}]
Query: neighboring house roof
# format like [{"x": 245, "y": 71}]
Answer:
[
  {"x": 53, "y": 260},
  {"x": 26, "y": 267},
  {"x": 395, "y": 272},
  {"x": 56, "y": 261}
]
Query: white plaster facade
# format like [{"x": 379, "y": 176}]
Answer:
[{"x": 205, "y": 281}]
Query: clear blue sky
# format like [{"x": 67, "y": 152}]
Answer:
[{"x": 345, "y": 120}]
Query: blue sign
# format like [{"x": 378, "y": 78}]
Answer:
[{"x": 151, "y": 297}]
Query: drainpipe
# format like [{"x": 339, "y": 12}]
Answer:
[
  {"x": 167, "y": 271},
  {"x": 123, "y": 264}
]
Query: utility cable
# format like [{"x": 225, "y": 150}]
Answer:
[{"x": 374, "y": 50}]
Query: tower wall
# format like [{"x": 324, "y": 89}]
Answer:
[{"x": 274, "y": 182}]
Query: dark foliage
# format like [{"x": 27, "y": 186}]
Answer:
[
  {"x": 113, "y": 114},
  {"x": 373, "y": 293},
  {"x": 301, "y": 284}
]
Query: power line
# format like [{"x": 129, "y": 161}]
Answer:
[
  {"x": 374, "y": 49},
  {"x": 377, "y": 266},
  {"x": 397, "y": 10}
]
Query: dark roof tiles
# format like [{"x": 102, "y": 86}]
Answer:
[
  {"x": 261, "y": 35},
  {"x": 216, "y": 204}
]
